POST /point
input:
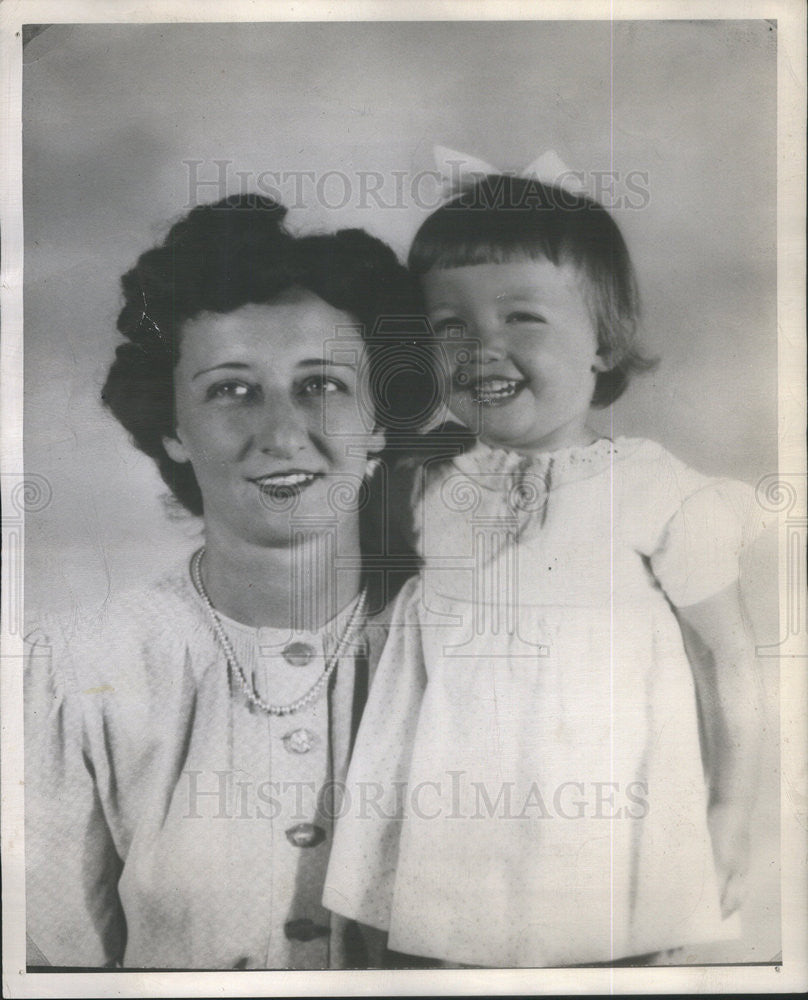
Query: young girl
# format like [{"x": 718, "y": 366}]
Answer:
[{"x": 557, "y": 761}]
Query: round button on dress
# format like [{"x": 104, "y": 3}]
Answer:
[
  {"x": 304, "y": 929},
  {"x": 298, "y": 654},
  {"x": 299, "y": 741},
  {"x": 305, "y": 835}
]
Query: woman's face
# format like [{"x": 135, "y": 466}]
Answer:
[{"x": 271, "y": 407}]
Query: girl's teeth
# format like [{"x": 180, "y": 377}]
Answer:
[
  {"x": 494, "y": 389},
  {"x": 498, "y": 385}
]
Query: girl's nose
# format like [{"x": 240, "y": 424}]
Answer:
[
  {"x": 490, "y": 352},
  {"x": 282, "y": 431},
  {"x": 490, "y": 343}
]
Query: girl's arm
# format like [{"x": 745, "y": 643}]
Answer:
[{"x": 731, "y": 712}]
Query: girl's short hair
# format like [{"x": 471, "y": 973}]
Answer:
[
  {"x": 237, "y": 251},
  {"x": 501, "y": 218}
]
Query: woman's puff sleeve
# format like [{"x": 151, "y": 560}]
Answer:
[{"x": 74, "y": 916}]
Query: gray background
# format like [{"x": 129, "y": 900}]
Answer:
[{"x": 111, "y": 112}]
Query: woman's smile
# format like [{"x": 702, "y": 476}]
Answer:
[{"x": 285, "y": 484}]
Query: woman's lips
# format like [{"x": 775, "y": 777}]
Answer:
[
  {"x": 285, "y": 484},
  {"x": 493, "y": 390}
]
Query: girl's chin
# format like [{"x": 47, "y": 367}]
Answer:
[
  {"x": 496, "y": 425},
  {"x": 532, "y": 440},
  {"x": 504, "y": 421}
]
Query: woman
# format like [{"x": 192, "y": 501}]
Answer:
[{"x": 181, "y": 752}]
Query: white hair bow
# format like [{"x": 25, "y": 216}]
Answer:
[{"x": 459, "y": 170}]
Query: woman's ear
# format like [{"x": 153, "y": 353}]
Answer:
[
  {"x": 376, "y": 443},
  {"x": 377, "y": 440},
  {"x": 604, "y": 361},
  {"x": 175, "y": 449}
]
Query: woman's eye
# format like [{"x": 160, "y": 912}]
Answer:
[
  {"x": 321, "y": 385},
  {"x": 238, "y": 391},
  {"x": 525, "y": 317}
]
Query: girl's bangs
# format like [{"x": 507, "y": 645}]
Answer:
[{"x": 466, "y": 252}]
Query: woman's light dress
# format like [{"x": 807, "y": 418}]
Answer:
[
  {"x": 168, "y": 823},
  {"x": 527, "y": 786}
]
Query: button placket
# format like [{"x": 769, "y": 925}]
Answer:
[{"x": 284, "y": 667}]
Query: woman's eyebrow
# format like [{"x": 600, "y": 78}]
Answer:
[
  {"x": 225, "y": 364},
  {"x": 327, "y": 362},
  {"x": 306, "y": 363}
]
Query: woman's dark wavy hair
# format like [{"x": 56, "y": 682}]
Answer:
[
  {"x": 234, "y": 252},
  {"x": 501, "y": 218}
]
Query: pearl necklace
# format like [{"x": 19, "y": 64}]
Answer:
[{"x": 355, "y": 622}]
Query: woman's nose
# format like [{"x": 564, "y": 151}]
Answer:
[{"x": 282, "y": 431}]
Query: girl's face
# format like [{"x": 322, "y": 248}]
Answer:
[
  {"x": 269, "y": 411},
  {"x": 523, "y": 351}
]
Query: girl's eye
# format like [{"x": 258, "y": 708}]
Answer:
[
  {"x": 238, "y": 391},
  {"x": 321, "y": 385}
]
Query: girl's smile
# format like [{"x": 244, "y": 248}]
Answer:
[
  {"x": 491, "y": 390},
  {"x": 523, "y": 350}
]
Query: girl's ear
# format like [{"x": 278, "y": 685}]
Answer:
[{"x": 175, "y": 449}]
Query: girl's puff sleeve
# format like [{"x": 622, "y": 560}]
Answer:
[
  {"x": 73, "y": 911},
  {"x": 362, "y": 868},
  {"x": 700, "y": 548}
]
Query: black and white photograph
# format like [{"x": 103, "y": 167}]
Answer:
[{"x": 403, "y": 479}]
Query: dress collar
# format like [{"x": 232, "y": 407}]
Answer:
[{"x": 565, "y": 464}]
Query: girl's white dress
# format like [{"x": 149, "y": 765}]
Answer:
[{"x": 527, "y": 786}]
